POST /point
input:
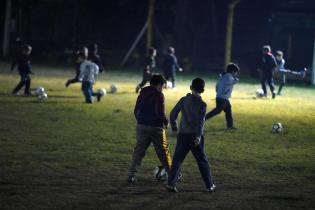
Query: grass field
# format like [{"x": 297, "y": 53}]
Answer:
[{"x": 65, "y": 154}]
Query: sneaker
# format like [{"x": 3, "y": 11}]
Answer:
[
  {"x": 28, "y": 94},
  {"x": 211, "y": 189},
  {"x": 279, "y": 94},
  {"x": 67, "y": 83},
  {"x": 171, "y": 188},
  {"x": 273, "y": 95},
  {"x": 132, "y": 179},
  {"x": 16, "y": 94}
]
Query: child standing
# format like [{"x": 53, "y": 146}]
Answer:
[
  {"x": 170, "y": 66},
  {"x": 88, "y": 73},
  {"x": 24, "y": 67},
  {"x": 224, "y": 90},
  {"x": 268, "y": 67},
  {"x": 151, "y": 123},
  {"x": 190, "y": 136},
  {"x": 148, "y": 70}
]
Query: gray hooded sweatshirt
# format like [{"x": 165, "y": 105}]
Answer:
[{"x": 225, "y": 85}]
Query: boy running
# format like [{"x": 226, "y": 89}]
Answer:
[
  {"x": 224, "y": 90},
  {"x": 148, "y": 70},
  {"x": 268, "y": 67},
  {"x": 24, "y": 67},
  {"x": 88, "y": 73},
  {"x": 190, "y": 136},
  {"x": 151, "y": 123}
]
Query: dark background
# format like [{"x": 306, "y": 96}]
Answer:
[{"x": 196, "y": 28}]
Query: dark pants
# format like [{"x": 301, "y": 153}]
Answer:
[
  {"x": 222, "y": 105},
  {"x": 87, "y": 88},
  {"x": 145, "y": 78},
  {"x": 269, "y": 79},
  {"x": 282, "y": 82},
  {"x": 185, "y": 143},
  {"x": 170, "y": 76},
  {"x": 25, "y": 80}
]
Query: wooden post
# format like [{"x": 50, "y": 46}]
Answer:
[
  {"x": 229, "y": 31},
  {"x": 6, "y": 29},
  {"x": 313, "y": 67},
  {"x": 150, "y": 23}
]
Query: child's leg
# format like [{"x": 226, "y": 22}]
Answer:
[
  {"x": 203, "y": 163},
  {"x": 181, "y": 150},
  {"x": 173, "y": 76},
  {"x": 160, "y": 144},
  {"x": 263, "y": 84},
  {"x": 271, "y": 85},
  {"x": 87, "y": 92},
  {"x": 228, "y": 114},
  {"x": 282, "y": 82},
  {"x": 217, "y": 110},
  {"x": 20, "y": 84},
  {"x": 143, "y": 142},
  {"x": 27, "y": 84}
]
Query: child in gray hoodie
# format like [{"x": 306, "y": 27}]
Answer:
[{"x": 224, "y": 90}]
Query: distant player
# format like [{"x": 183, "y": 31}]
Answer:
[
  {"x": 151, "y": 126},
  {"x": 88, "y": 74},
  {"x": 224, "y": 90},
  {"x": 170, "y": 66},
  {"x": 94, "y": 57},
  {"x": 148, "y": 69},
  {"x": 283, "y": 72},
  {"x": 267, "y": 68},
  {"x": 83, "y": 51},
  {"x": 190, "y": 136},
  {"x": 23, "y": 63}
]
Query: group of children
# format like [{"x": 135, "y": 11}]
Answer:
[
  {"x": 169, "y": 67},
  {"x": 152, "y": 123},
  {"x": 275, "y": 64}
]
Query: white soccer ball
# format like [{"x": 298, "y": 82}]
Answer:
[
  {"x": 277, "y": 127},
  {"x": 39, "y": 90},
  {"x": 102, "y": 91},
  {"x": 159, "y": 173},
  {"x": 260, "y": 93},
  {"x": 42, "y": 97},
  {"x": 169, "y": 84},
  {"x": 113, "y": 88}
]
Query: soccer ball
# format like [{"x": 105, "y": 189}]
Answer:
[
  {"x": 277, "y": 127},
  {"x": 113, "y": 88},
  {"x": 42, "y": 97},
  {"x": 102, "y": 91},
  {"x": 169, "y": 84},
  {"x": 260, "y": 93},
  {"x": 39, "y": 90},
  {"x": 159, "y": 173}
]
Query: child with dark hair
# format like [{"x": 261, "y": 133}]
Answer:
[
  {"x": 268, "y": 67},
  {"x": 170, "y": 66},
  {"x": 94, "y": 57},
  {"x": 88, "y": 73},
  {"x": 151, "y": 126},
  {"x": 24, "y": 67},
  {"x": 148, "y": 70},
  {"x": 83, "y": 51},
  {"x": 190, "y": 136},
  {"x": 224, "y": 90},
  {"x": 283, "y": 72}
]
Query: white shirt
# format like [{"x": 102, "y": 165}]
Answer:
[{"x": 88, "y": 72}]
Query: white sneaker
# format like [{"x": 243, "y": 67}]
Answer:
[{"x": 211, "y": 189}]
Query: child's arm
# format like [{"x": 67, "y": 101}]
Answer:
[
  {"x": 200, "y": 123},
  {"x": 174, "y": 114},
  {"x": 176, "y": 64},
  {"x": 160, "y": 109}
]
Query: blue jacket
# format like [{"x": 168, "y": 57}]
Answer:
[
  {"x": 225, "y": 85},
  {"x": 193, "y": 110}
]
